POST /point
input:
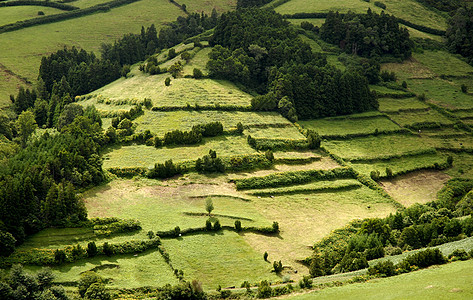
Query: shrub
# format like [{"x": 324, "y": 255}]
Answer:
[
  {"x": 269, "y": 155},
  {"x": 91, "y": 249},
  {"x": 107, "y": 249},
  {"x": 277, "y": 267},
  {"x": 209, "y": 206},
  {"x": 177, "y": 231},
  {"x": 239, "y": 127},
  {"x": 59, "y": 256},
  {"x": 458, "y": 254},
  {"x": 217, "y": 225},
  {"x": 275, "y": 227},
  {"x": 197, "y": 73},
  {"x": 305, "y": 282},
  {"x": 167, "y": 81},
  {"x": 166, "y": 170},
  {"x": 404, "y": 84},
  {"x": 86, "y": 280},
  {"x": 40, "y": 13},
  {"x": 464, "y": 88},
  {"x": 383, "y": 269},
  {"x": 7, "y": 243},
  {"x": 208, "y": 225},
  {"x": 264, "y": 290},
  {"x": 172, "y": 53},
  {"x": 238, "y": 225},
  {"x": 389, "y": 172},
  {"x": 151, "y": 234},
  {"x": 380, "y": 4},
  {"x": 265, "y": 256},
  {"x": 374, "y": 175},
  {"x": 313, "y": 139}
]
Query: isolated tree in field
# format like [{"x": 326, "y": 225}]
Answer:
[
  {"x": 167, "y": 81},
  {"x": 25, "y": 125},
  {"x": 176, "y": 69},
  {"x": 91, "y": 249},
  {"x": 209, "y": 205},
  {"x": 197, "y": 73}
]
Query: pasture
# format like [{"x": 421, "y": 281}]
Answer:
[
  {"x": 345, "y": 126},
  {"x": 285, "y": 132},
  {"x": 13, "y": 14},
  {"x": 161, "y": 122},
  {"x": 407, "y": 119},
  {"x": 409, "y": 10},
  {"x": 443, "y": 63},
  {"x": 388, "y": 105},
  {"x": 423, "y": 284}
]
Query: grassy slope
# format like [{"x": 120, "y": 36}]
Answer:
[
  {"x": 12, "y": 14},
  {"x": 451, "y": 281}
]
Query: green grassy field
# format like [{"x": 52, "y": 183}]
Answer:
[
  {"x": 12, "y": 14},
  {"x": 372, "y": 147},
  {"x": 409, "y": 10},
  {"x": 431, "y": 283},
  {"x": 287, "y": 132},
  {"x": 394, "y": 105},
  {"x": 162, "y": 122},
  {"x": 207, "y": 5},
  {"x": 181, "y": 92},
  {"x": 308, "y": 188},
  {"x": 444, "y": 63},
  {"x": 147, "y": 156},
  {"x": 340, "y": 126},
  {"x": 199, "y": 61},
  {"x": 410, "y": 118}
]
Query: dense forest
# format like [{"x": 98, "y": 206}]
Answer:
[
  {"x": 460, "y": 33},
  {"x": 265, "y": 54}
]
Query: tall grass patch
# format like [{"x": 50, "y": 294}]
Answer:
[
  {"x": 373, "y": 147},
  {"x": 147, "y": 156},
  {"x": 346, "y": 126}
]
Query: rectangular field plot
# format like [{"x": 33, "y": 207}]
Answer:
[
  {"x": 13, "y": 14},
  {"x": 442, "y": 92},
  {"x": 147, "y": 156},
  {"x": 123, "y": 271},
  {"x": 393, "y": 105},
  {"x": 412, "y": 118},
  {"x": 409, "y": 10},
  {"x": 208, "y": 5},
  {"x": 199, "y": 61},
  {"x": 286, "y": 132},
  {"x": 382, "y": 90},
  {"x": 444, "y": 63},
  {"x": 409, "y": 69},
  {"x": 161, "y": 122},
  {"x": 345, "y": 126},
  {"x": 180, "y": 93},
  {"x": 400, "y": 165},
  {"x": 373, "y": 147},
  {"x": 210, "y": 257}
]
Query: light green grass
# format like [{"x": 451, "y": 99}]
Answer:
[
  {"x": 383, "y": 90},
  {"x": 9, "y": 85},
  {"x": 414, "y": 33},
  {"x": 162, "y": 122},
  {"x": 199, "y": 61},
  {"x": 22, "y": 53},
  {"x": 181, "y": 92},
  {"x": 450, "y": 281},
  {"x": 444, "y": 63},
  {"x": 289, "y": 132},
  {"x": 87, "y": 3},
  {"x": 409, "y": 69},
  {"x": 392, "y": 105},
  {"x": 223, "y": 259},
  {"x": 147, "y": 156},
  {"x": 313, "y": 44},
  {"x": 328, "y": 126},
  {"x": 462, "y": 163},
  {"x": 12, "y": 14},
  {"x": 375, "y": 146},
  {"x": 404, "y": 164},
  {"x": 410, "y": 118},
  {"x": 407, "y": 9},
  {"x": 315, "y": 22},
  {"x": 442, "y": 92},
  {"x": 129, "y": 271}
]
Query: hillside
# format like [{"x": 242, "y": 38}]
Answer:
[{"x": 237, "y": 149}]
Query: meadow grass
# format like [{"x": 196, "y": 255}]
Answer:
[
  {"x": 161, "y": 122},
  {"x": 87, "y": 3},
  {"x": 313, "y": 44},
  {"x": 426, "y": 284},
  {"x": 13, "y": 14},
  {"x": 442, "y": 92},
  {"x": 409, "y": 10},
  {"x": 444, "y": 63},
  {"x": 9, "y": 85},
  {"x": 315, "y": 22},
  {"x": 122, "y": 271},
  {"x": 297, "y": 154},
  {"x": 416, "y": 187},
  {"x": 312, "y": 187},
  {"x": 372, "y": 147},
  {"x": 181, "y": 92},
  {"x": 333, "y": 60},
  {"x": 410, "y": 118},
  {"x": 199, "y": 61},
  {"x": 403, "y": 164},
  {"x": 414, "y": 33},
  {"x": 453, "y": 142},
  {"x": 222, "y": 258},
  {"x": 306, "y": 218},
  {"x": 443, "y": 132},
  {"x": 386, "y": 90},
  {"x": 21, "y": 50},
  {"x": 147, "y": 156},
  {"x": 289, "y": 132},
  {"x": 394, "y": 105},
  {"x": 462, "y": 163},
  {"x": 340, "y": 126},
  {"x": 409, "y": 68}
]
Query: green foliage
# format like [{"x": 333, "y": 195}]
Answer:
[
  {"x": 166, "y": 170},
  {"x": 209, "y": 206},
  {"x": 383, "y": 269},
  {"x": 208, "y": 225},
  {"x": 238, "y": 225},
  {"x": 86, "y": 280},
  {"x": 176, "y": 69},
  {"x": 210, "y": 163},
  {"x": 305, "y": 282},
  {"x": 313, "y": 139},
  {"x": 264, "y": 290},
  {"x": 184, "y": 290},
  {"x": 107, "y": 226},
  {"x": 217, "y": 225},
  {"x": 92, "y": 249},
  {"x": 277, "y": 267},
  {"x": 197, "y": 73},
  {"x": 167, "y": 81},
  {"x": 177, "y": 231},
  {"x": 380, "y": 4},
  {"x": 97, "y": 291},
  {"x": 265, "y": 256},
  {"x": 458, "y": 254},
  {"x": 460, "y": 33},
  {"x": 59, "y": 256},
  {"x": 7, "y": 243},
  {"x": 107, "y": 249},
  {"x": 25, "y": 126}
]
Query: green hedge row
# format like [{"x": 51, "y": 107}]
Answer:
[
  {"x": 393, "y": 156},
  {"x": 246, "y": 162},
  {"x": 292, "y": 178},
  {"x": 57, "y": 5},
  {"x": 198, "y": 107},
  {"x": 173, "y": 233},
  {"x": 375, "y": 133},
  {"x": 434, "y": 166},
  {"x": 262, "y": 144},
  {"x": 297, "y": 160},
  {"x": 128, "y": 172},
  {"x": 118, "y": 226},
  {"x": 327, "y": 189}
]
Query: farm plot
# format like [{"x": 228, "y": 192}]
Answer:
[
  {"x": 208, "y": 5},
  {"x": 420, "y": 119},
  {"x": 373, "y": 147},
  {"x": 314, "y": 187},
  {"x": 180, "y": 93},
  {"x": 442, "y": 92},
  {"x": 147, "y": 156},
  {"x": 199, "y": 61},
  {"x": 346, "y": 126},
  {"x": 400, "y": 165},
  {"x": 393, "y": 105},
  {"x": 409, "y": 69},
  {"x": 444, "y": 63},
  {"x": 162, "y": 122},
  {"x": 13, "y": 14},
  {"x": 408, "y": 10},
  {"x": 285, "y": 132}
]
